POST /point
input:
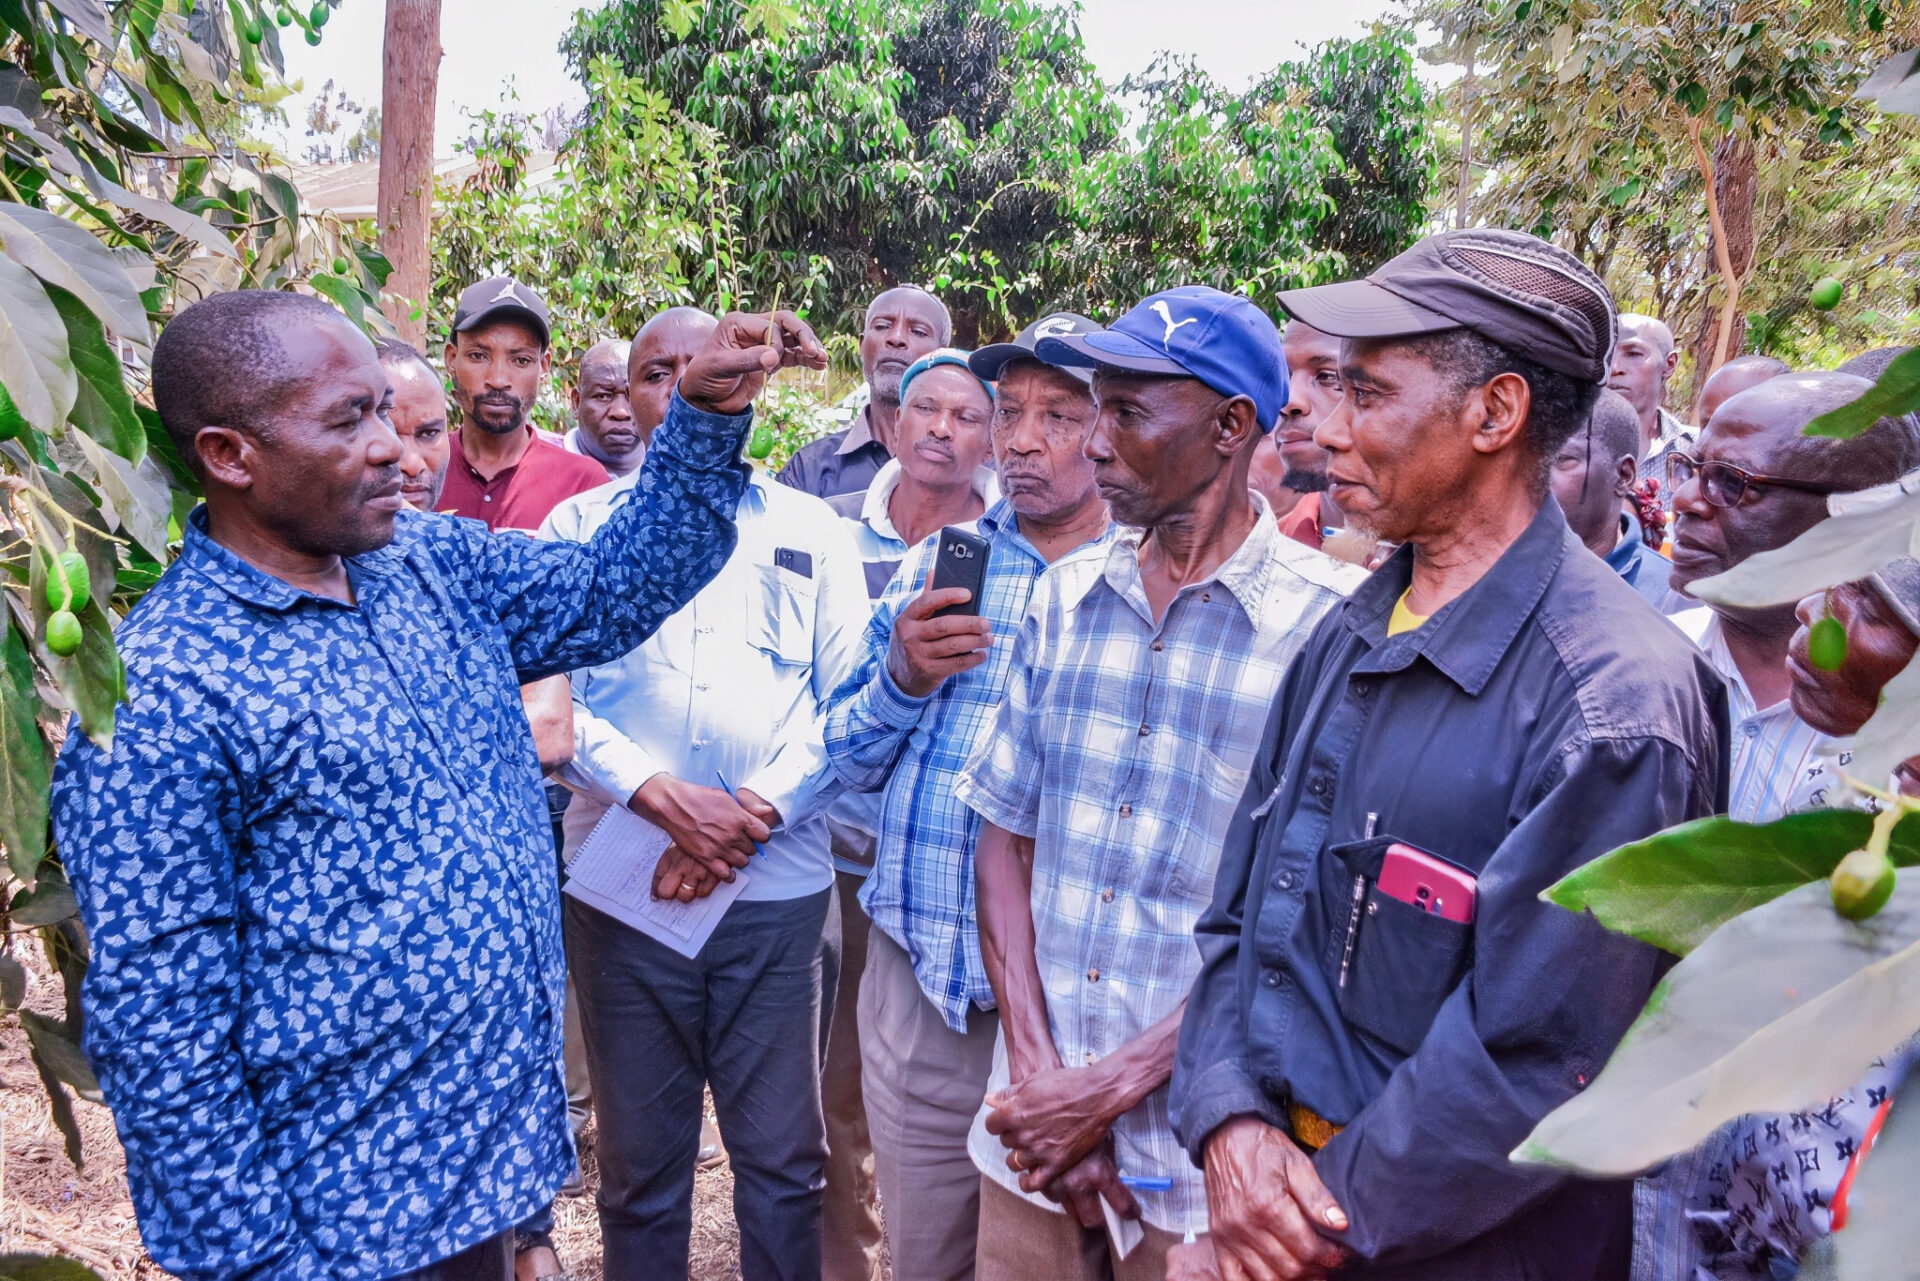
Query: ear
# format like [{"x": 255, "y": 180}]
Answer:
[
  {"x": 573, "y": 397},
  {"x": 546, "y": 362},
  {"x": 1626, "y": 474},
  {"x": 228, "y": 455},
  {"x": 1236, "y": 429},
  {"x": 447, "y": 358},
  {"x": 1502, "y": 411},
  {"x": 1673, "y": 361}
]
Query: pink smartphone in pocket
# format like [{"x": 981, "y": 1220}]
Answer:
[{"x": 1428, "y": 883}]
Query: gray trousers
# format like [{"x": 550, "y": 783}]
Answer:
[{"x": 924, "y": 1083}]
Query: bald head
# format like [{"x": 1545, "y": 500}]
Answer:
[
  {"x": 601, "y": 411},
  {"x": 1734, "y": 377},
  {"x": 903, "y": 324},
  {"x": 1773, "y": 416},
  {"x": 1643, "y": 360},
  {"x": 661, "y": 352}
]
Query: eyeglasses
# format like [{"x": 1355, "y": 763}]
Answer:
[{"x": 1725, "y": 485}]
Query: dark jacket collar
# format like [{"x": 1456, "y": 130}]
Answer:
[{"x": 1469, "y": 636}]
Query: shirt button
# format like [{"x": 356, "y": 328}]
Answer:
[
  {"x": 1362, "y": 688},
  {"x": 1093, "y": 975},
  {"x": 1318, "y": 786},
  {"x": 1271, "y": 978},
  {"x": 701, "y": 686},
  {"x": 1145, "y": 730},
  {"x": 1126, "y": 811},
  {"x": 486, "y": 498},
  {"x": 1750, "y": 730},
  {"x": 1206, "y": 596},
  {"x": 1285, "y": 881},
  {"x": 1158, "y": 646},
  {"x": 1106, "y": 896}
]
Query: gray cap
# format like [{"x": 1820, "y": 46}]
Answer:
[
  {"x": 1898, "y": 583},
  {"x": 988, "y": 361},
  {"x": 501, "y": 298}
]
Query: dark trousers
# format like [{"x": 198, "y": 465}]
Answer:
[
  {"x": 742, "y": 1017},
  {"x": 491, "y": 1260}
]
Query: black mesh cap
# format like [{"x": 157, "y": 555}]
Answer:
[{"x": 1510, "y": 288}]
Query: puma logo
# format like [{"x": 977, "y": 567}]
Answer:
[{"x": 1166, "y": 318}]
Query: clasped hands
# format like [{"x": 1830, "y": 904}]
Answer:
[
  {"x": 712, "y": 833},
  {"x": 1057, "y": 1126}
]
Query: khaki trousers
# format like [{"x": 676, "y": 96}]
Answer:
[
  {"x": 924, "y": 1083},
  {"x": 850, "y": 1232},
  {"x": 1022, "y": 1242}
]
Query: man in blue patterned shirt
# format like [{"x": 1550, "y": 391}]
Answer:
[
  {"x": 901, "y": 726},
  {"x": 325, "y": 995}
]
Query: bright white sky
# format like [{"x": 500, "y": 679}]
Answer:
[{"x": 491, "y": 44}]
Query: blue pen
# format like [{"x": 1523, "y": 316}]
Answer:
[
  {"x": 727, "y": 787},
  {"x": 1147, "y": 1183}
]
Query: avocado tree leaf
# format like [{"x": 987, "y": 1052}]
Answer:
[
  {"x": 101, "y": 407},
  {"x": 1892, "y": 734},
  {"x": 47, "y": 903},
  {"x": 89, "y": 18},
  {"x": 53, "y": 1040},
  {"x": 1780, "y": 1009},
  {"x": 68, "y": 256},
  {"x": 24, "y": 773},
  {"x": 13, "y": 982},
  {"x": 1677, "y": 887},
  {"x": 34, "y": 363},
  {"x": 92, "y": 682},
  {"x": 45, "y": 1267},
  {"x": 1865, "y": 531},
  {"x": 1893, "y": 85},
  {"x": 59, "y": 1103},
  {"x": 1895, "y": 392},
  {"x": 138, "y": 495}
]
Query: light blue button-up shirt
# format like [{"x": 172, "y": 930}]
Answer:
[{"x": 735, "y": 685}]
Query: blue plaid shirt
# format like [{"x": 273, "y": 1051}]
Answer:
[
  {"x": 1121, "y": 748},
  {"x": 920, "y": 892},
  {"x": 318, "y": 876}
]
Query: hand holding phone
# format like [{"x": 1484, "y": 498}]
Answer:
[
  {"x": 939, "y": 634},
  {"x": 960, "y": 562}
]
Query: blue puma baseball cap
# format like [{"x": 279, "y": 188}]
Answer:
[{"x": 1190, "y": 332}]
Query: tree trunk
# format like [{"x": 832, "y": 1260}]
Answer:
[
  {"x": 1468, "y": 90},
  {"x": 1730, "y": 180},
  {"x": 407, "y": 95}
]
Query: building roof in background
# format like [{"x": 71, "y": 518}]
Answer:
[{"x": 350, "y": 190}]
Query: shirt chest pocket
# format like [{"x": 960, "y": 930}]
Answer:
[
  {"x": 1393, "y": 964},
  {"x": 780, "y": 609}
]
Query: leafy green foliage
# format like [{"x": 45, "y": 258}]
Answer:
[
  {"x": 634, "y": 219},
  {"x": 44, "y": 1267},
  {"x": 1782, "y": 1008},
  {"x": 968, "y": 145},
  {"x": 1896, "y": 392},
  {"x": 1676, "y": 888}
]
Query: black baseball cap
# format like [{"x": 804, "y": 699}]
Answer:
[
  {"x": 501, "y": 298},
  {"x": 989, "y": 361},
  {"x": 1511, "y": 288}
]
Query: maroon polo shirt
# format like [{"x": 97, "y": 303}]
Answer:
[{"x": 520, "y": 496}]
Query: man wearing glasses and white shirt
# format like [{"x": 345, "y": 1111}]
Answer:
[{"x": 711, "y": 730}]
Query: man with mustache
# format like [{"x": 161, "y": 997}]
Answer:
[
  {"x": 902, "y": 324},
  {"x": 419, "y": 419},
  {"x": 604, "y": 429},
  {"x": 1136, "y": 690},
  {"x": 325, "y": 993},
  {"x": 900, "y": 728},
  {"x": 940, "y": 477},
  {"x": 500, "y": 352}
]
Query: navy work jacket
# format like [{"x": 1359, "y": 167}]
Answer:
[{"x": 1537, "y": 721}]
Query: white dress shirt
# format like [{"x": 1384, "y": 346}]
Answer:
[{"x": 735, "y": 685}]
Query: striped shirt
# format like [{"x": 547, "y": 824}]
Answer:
[
  {"x": 910, "y": 750},
  {"x": 1122, "y": 748},
  {"x": 1779, "y": 763}
]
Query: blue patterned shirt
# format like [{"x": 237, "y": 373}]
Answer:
[
  {"x": 317, "y": 873},
  {"x": 920, "y": 893}
]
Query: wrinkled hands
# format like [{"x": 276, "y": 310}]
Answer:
[
  {"x": 926, "y": 650},
  {"x": 1049, "y": 1122},
  {"x": 1267, "y": 1208},
  {"x": 729, "y": 370},
  {"x": 713, "y": 833}
]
